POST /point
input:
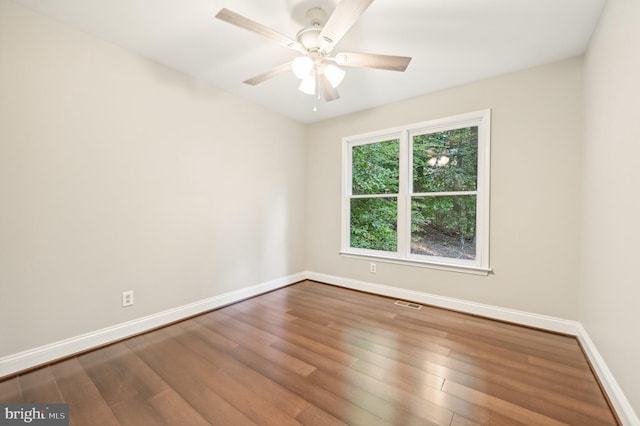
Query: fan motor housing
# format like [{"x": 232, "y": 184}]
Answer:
[{"x": 309, "y": 38}]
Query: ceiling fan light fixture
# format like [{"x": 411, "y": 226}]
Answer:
[
  {"x": 308, "y": 85},
  {"x": 302, "y": 66},
  {"x": 334, "y": 74},
  {"x": 315, "y": 43}
]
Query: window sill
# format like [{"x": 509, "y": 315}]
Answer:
[{"x": 465, "y": 269}]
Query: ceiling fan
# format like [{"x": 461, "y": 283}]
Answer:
[{"x": 316, "y": 66}]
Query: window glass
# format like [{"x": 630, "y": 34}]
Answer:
[
  {"x": 446, "y": 161},
  {"x": 374, "y": 223},
  {"x": 376, "y": 168},
  {"x": 444, "y": 226}
]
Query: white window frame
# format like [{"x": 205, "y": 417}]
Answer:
[{"x": 403, "y": 255}]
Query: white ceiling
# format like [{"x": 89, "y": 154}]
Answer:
[{"x": 452, "y": 42}]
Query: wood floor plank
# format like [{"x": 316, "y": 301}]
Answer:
[
  {"x": 376, "y": 330},
  {"x": 174, "y": 410},
  {"x": 255, "y": 339},
  {"x": 241, "y": 397},
  {"x": 484, "y": 330},
  {"x": 463, "y": 421},
  {"x": 500, "y": 420},
  {"x": 246, "y": 399},
  {"x": 512, "y": 410},
  {"x": 315, "y": 354},
  {"x": 335, "y": 375},
  {"x": 135, "y": 412},
  {"x": 554, "y": 405},
  {"x": 413, "y": 384},
  {"x": 86, "y": 405},
  {"x": 388, "y": 335},
  {"x": 233, "y": 329},
  {"x": 361, "y": 349},
  {"x": 194, "y": 337},
  {"x": 536, "y": 397},
  {"x": 339, "y": 407},
  {"x": 212, "y": 407},
  {"x": 263, "y": 319},
  {"x": 40, "y": 386},
  {"x": 534, "y": 338},
  {"x": 384, "y": 401},
  {"x": 10, "y": 391},
  {"x": 515, "y": 376},
  {"x": 313, "y": 416},
  {"x": 581, "y": 372},
  {"x": 385, "y": 357},
  {"x": 508, "y": 372},
  {"x": 120, "y": 375}
]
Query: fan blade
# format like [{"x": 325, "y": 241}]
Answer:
[
  {"x": 280, "y": 69},
  {"x": 240, "y": 21},
  {"x": 329, "y": 93},
  {"x": 372, "y": 60},
  {"x": 341, "y": 20}
]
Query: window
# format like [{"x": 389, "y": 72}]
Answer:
[{"x": 419, "y": 194}]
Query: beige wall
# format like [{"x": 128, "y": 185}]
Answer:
[
  {"x": 535, "y": 191},
  {"x": 117, "y": 173},
  {"x": 610, "y": 289}
]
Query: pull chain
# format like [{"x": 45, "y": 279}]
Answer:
[{"x": 316, "y": 95}]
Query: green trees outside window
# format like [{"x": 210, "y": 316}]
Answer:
[
  {"x": 374, "y": 219},
  {"x": 443, "y": 203}
]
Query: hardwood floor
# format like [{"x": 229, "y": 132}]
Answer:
[{"x": 314, "y": 354}]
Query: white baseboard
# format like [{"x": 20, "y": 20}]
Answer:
[
  {"x": 620, "y": 402},
  {"x": 45, "y": 354},
  {"x": 618, "y": 399},
  {"x": 557, "y": 325}
]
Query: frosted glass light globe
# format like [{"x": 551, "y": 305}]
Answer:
[{"x": 302, "y": 66}]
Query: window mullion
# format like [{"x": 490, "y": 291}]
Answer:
[
  {"x": 443, "y": 193},
  {"x": 347, "y": 193},
  {"x": 404, "y": 200}
]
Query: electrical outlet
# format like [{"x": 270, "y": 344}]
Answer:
[
  {"x": 127, "y": 298},
  {"x": 372, "y": 268}
]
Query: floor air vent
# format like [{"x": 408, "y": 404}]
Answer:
[{"x": 408, "y": 304}]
